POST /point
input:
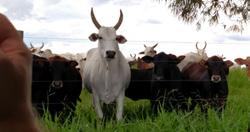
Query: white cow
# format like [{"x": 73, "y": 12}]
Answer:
[
  {"x": 107, "y": 73},
  {"x": 81, "y": 59},
  {"x": 68, "y": 56},
  {"x": 149, "y": 50},
  {"x": 47, "y": 53},
  {"x": 193, "y": 57},
  {"x": 36, "y": 50}
]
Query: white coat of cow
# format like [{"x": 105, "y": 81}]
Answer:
[
  {"x": 193, "y": 57},
  {"x": 36, "y": 50},
  {"x": 149, "y": 50},
  {"x": 107, "y": 73}
]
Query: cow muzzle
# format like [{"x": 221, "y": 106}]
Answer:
[
  {"x": 158, "y": 78},
  {"x": 110, "y": 54},
  {"x": 216, "y": 78},
  {"x": 57, "y": 84}
]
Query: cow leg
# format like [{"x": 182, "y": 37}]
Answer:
[
  {"x": 120, "y": 104},
  {"x": 97, "y": 106}
]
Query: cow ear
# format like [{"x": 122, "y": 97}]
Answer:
[
  {"x": 180, "y": 58},
  {"x": 240, "y": 61},
  {"x": 73, "y": 63},
  {"x": 120, "y": 39},
  {"x": 93, "y": 37},
  {"x": 147, "y": 59},
  {"x": 229, "y": 63}
]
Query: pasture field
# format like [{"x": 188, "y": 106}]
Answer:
[{"x": 138, "y": 118}]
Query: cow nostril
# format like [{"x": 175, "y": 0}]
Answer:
[{"x": 110, "y": 54}]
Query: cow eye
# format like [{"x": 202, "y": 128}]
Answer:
[{"x": 99, "y": 37}]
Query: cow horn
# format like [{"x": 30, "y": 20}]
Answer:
[
  {"x": 118, "y": 24},
  {"x": 145, "y": 46},
  {"x": 42, "y": 46},
  {"x": 98, "y": 26},
  {"x": 31, "y": 45},
  {"x": 205, "y": 45},
  {"x": 155, "y": 45},
  {"x": 196, "y": 45}
]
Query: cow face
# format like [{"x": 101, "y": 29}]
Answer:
[
  {"x": 246, "y": 62},
  {"x": 164, "y": 64},
  {"x": 107, "y": 38},
  {"x": 201, "y": 51},
  {"x": 36, "y": 50},
  {"x": 149, "y": 50},
  {"x": 132, "y": 60},
  {"x": 217, "y": 68},
  {"x": 58, "y": 66}
]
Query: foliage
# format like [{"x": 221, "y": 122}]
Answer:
[{"x": 213, "y": 11}]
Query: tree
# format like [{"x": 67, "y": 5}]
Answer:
[{"x": 231, "y": 14}]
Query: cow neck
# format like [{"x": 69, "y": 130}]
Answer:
[{"x": 112, "y": 62}]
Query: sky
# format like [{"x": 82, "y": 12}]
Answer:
[{"x": 65, "y": 25}]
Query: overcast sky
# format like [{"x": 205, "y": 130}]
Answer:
[{"x": 64, "y": 26}]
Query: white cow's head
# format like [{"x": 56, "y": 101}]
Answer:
[
  {"x": 107, "y": 38},
  {"x": 149, "y": 50},
  {"x": 36, "y": 50},
  {"x": 201, "y": 51}
]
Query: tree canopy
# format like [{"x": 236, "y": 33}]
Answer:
[{"x": 231, "y": 14}]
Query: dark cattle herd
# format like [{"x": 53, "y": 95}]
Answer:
[{"x": 168, "y": 81}]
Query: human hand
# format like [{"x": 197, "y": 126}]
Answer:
[{"x": 15, "y": 81}]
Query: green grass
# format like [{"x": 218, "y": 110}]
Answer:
[{"x": 138, "y": 117}]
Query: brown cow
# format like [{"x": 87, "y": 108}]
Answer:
[
  {"x": 246, "y": 62},
  {"x": 206, "y": 83}
]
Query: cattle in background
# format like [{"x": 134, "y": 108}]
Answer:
[
  {"x": 139, "y": 63},
  {"x": 149, "y": 50},
  {"x": 47, "y": 53},
  {"x": 144, "y": 65},
  {"x": 131, "y": 60},
  {"x": 66, "y": 85},
  {"x": 107, "y": 72},
  {"x": 36, "y": 50},
  {"x": 68, "y": 56},
  {"x": 161, "y": 85},
  {"x": 245, "y": 62},
  {"x": 206, "y": 83},
  {"x": 235, "y": 66},
  {"x": 194, "y": 57},
  {"x": 81, "y": 59}
]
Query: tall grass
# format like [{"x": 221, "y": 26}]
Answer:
[{"x": 139, "y": 118}]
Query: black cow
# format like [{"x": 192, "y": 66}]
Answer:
[
  {"x": 41, "y": 79},
  {"x": 56, "y": 85},
  {"x": 206, "y": 83},
  {"x": 66, "y": 85},
  {"x": 218, "y": 71},
  {"x": 161, "y": 85}
]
